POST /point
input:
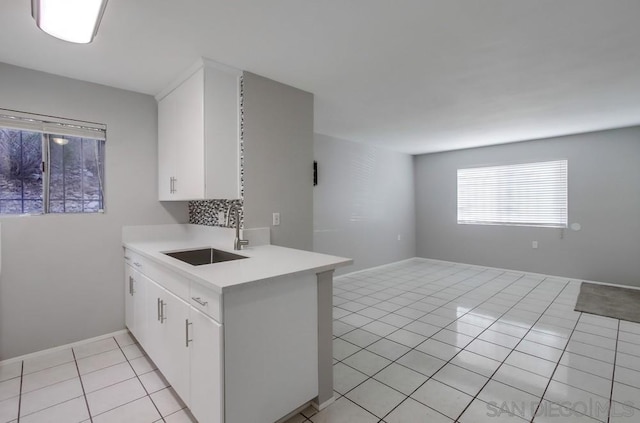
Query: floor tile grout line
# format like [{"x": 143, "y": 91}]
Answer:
[
  {"x": 52, "y": 406},
  {"x": 122, "y": 405},
  {"x": 555, "y": 369},
  {"x": 408, "y": 305},
  {"x": 613, "y": 376},
  {"x": 140, "y": 380},
  {"x": 521, "y": 298},
  {"x": 439, "y": 307},
  {"x": 459, "y": 317},
  {"x": 514, "y": 349},
  {"x": 70, "y": 361},
  {"x": 51, "y": 384},
  {"x": 80, "y": 375},
  {"x": 411, "y": 349},
  {"x": 588, "y": 356},
  {"x": 84, "y": 394},
  {"x": 474, "y": 338},
  {"x": 20, "y": 397},
  {"x": 446, "y": 361},
  {"x": 90, "y": 355},
  {"x": 424, "y": 295}
]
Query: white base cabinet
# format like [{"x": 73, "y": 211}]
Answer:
[
  {"x": 248, "y": 356},
  {"x": 206, "y": 368},
  {"x": 135, "y": 302},
  {"x": 166, "y": 337}
]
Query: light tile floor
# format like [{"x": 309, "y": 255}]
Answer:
[
  {"x": 417, "y": 341},
  {"x": 428, "y": 341},
  {"x": 108, "y": 381}
]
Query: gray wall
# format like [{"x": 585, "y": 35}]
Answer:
[
  {"x": 62, "y": 275},
  {"x": 604, "y": 197},
  {"x": 278, "y": 165},
  {"x": 363, "y": 201}
]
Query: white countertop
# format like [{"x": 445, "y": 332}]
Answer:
[{"x": 262, "y": 262}]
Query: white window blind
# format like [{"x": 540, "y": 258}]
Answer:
[{"x": 529, "y": 194}]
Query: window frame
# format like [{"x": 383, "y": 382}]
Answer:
[
  {"x": 506, "y": 181},
  {"x": 50, "y": 127}
]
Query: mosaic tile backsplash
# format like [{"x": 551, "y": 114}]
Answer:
[{"x": 214, "y": 213}]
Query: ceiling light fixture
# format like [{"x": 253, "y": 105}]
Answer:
[{"x": 75, "y": 21}]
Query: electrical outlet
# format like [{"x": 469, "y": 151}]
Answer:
[
  {"x": 399, "y": 237},
  {"x": 276, "y": 219},
  {"x": 534, "y": 244}
]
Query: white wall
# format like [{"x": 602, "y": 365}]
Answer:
[
  {"x": 363, "y": 201},
  {"x": 278, "y": 164},
  {"x": 604, "y": 197},
  {"x": 62, "y": 275}
]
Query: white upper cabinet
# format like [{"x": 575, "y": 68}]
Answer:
[{"x": 199, "y": 135}]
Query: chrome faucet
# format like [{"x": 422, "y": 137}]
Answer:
[{"x": 237, "y": 243}]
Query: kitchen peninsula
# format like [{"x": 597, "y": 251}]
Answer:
[{"x": 245, "y": 340}]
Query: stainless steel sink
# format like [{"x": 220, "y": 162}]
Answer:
[{"x": 204, "y": 256}]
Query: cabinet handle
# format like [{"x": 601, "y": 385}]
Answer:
[
  {"x": 136, "y": 264},
  {"x": 158, "y": 309},
  {"x": 186, "y": 333},
  {"x": 127, "y": 258},
  {"x": 199, "y": 301},
  {"x": 174, "y": 185},
  {"x": 130, "y": 285},
  {"x": 162, "y": 317}
]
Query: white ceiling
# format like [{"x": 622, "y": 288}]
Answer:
[{"x": 412, "y": 75}]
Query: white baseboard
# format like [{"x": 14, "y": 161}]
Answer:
[
  {"x": 62, "y": 347},
  {"x": 564, "y": 278},
  {"x": 324, "y": 405},
  {"x": 382, "y": 266}
]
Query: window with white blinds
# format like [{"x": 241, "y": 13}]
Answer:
[{"x": 529, "y": 194}]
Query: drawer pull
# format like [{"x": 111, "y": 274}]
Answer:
[
  {"x": 127, "y": 258},
  {"x": 136, "y": 264},
  {"x": 199, "y": 301}
]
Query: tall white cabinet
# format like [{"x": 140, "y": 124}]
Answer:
[{"x": 199, "y": 134}]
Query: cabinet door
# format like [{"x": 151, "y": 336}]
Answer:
[
  {"x": 138, "y": 293},
  {"x": 129, "y": 310},
  {"x": 207, "y": 379},
  {"x": 166, "y": 339},
  {"x": 166, "y": 148},
  {"x": 174, "y": 317},
  {"x": 181, "y": 141},
  {"x": 154, "y": 338}
]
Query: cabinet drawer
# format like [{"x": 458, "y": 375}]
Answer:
[
  {"x": 205, "y": 300},
  {"x": 135, "y": 260},
  {"x": 172, "y": 282},
  {"x": 169, "y": 280}
]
